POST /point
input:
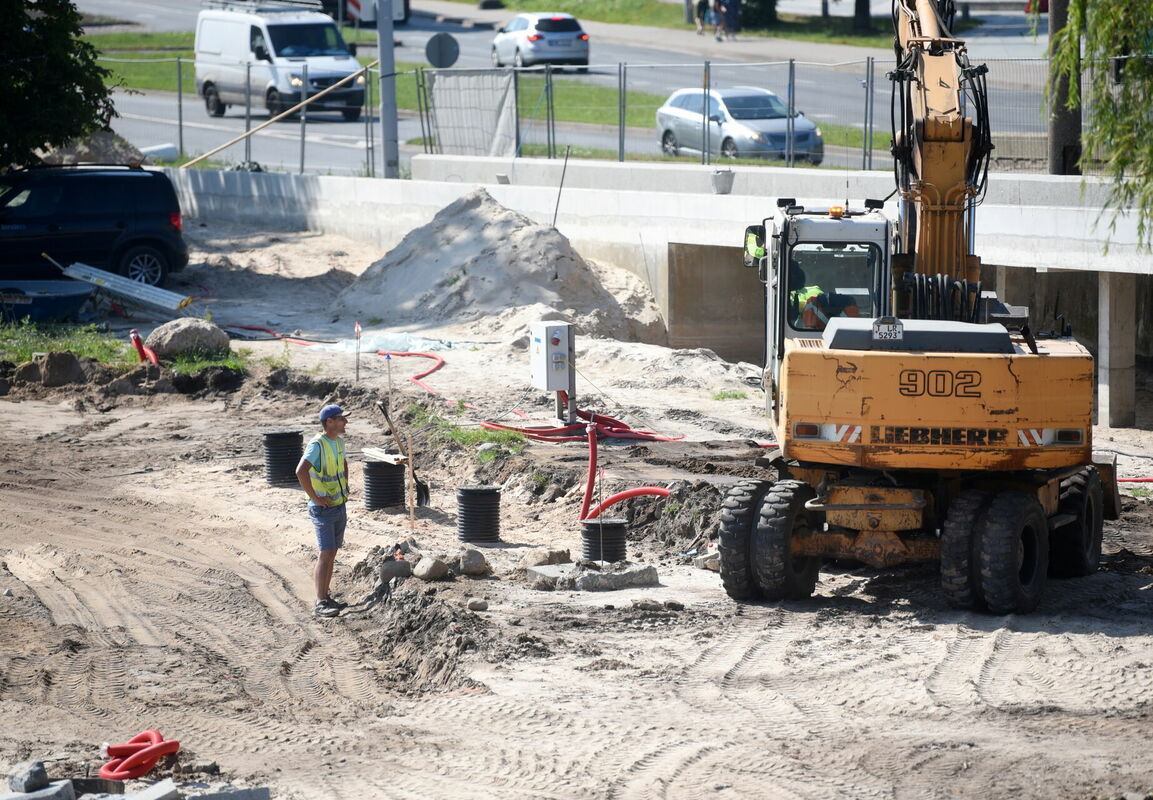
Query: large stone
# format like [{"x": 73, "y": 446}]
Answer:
[
  {"x": 27, "y": 372},
  {"x": 257, "y": 793},
  {"x": 162, "y": 790},
  {"x": 187, "y": 335},
  {"x": 430, "y": 569},
  {"x": 57, "y": 790},
  {"x": 394, "y": 569},
  {"x": 476, "y": 604},
  {"x": 28, "y": 776},
  {"x": 60, "y": 368},
  {"x": 540, "y": 556},
  {"x": 589, "y": 579},
  {"x": 472, "y": 562}
]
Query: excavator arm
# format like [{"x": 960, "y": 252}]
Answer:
[{"x": 941, "y": 150}]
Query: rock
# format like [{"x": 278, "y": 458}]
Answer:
[
  {"x": 622, "y": 576},
  {"x": 60, "y": 368},
  {"x": 674, "y": 605},
  {"x": 487, "y": 446},
  {"x": 258, "y": 793},
  {"x": 394, "y": 569},
  {"x": 27, "y": 776},
  {"x": 477, "y": 604},
  {"x": 56, "y": 790},
  {"x": 187, "y": 335},
  {"x": 708, "y": 561},
  {"x": 162, "y": 790},
  {"x": 543, "y": 585},
  {"x": 472, "y": 562},
  {"x": 540, "y": 555},
  {"x": 647, "y": 604},
  {"x": 97, "y": 787},
  {"x": 120, "y": 386},
  {"x": 28, "y": 372},
  {"x": 430, "y": 569}
]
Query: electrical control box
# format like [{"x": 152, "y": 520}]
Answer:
[{"x": 551, "y": 355}]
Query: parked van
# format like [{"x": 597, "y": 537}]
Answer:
[{"x": 273, "y": 46}]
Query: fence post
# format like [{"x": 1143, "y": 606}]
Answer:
[
  {"x": 303, "y": 115},
  {"x": 516, "y": 105},
  {"x": 865, "y": 117},
  {"x": 791, "y": 123},
  {"x": 179, "y": 107},
  {"x": 621, "y": 83},
  {"x": 247, "y": 112},
  {"x": 550, "y": 121},
  {"x": 370, "y": 131},
  {"x": 872, "y": 124},
  {"x": 706, "y": 154}
]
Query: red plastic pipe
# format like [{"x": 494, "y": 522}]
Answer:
[
  {"x": 590, "y": 480},
  {"x": 659, "y": 491},
  {"x": 144, "y": 353}
]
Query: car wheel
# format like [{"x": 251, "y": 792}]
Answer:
[
  {"x": 274, "y": 103},
  {"x": 729, "y": 149},
  {"x": 496, "y": 62},
  {"x": 144, "y": 263},
  {"x": 212, "y": 102},
  {"x": 351, "y": 114},
  {"x": 669, "y": 144},
  {"x": 583, "y": 68},
  {"x": 518, "y": 60}
]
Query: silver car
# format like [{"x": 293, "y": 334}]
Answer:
[
  {"x": 745, "y": 122},
  {"x": 541, "y": 38}
]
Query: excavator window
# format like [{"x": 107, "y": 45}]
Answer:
[{"x": 829, "y": 280}]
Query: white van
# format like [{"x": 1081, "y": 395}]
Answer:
[{"x": 275, "y": 45}]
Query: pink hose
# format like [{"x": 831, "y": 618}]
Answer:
[{"x": 625, "y": 495}]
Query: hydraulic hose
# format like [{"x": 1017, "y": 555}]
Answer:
[{"x": 625, "y": 495}]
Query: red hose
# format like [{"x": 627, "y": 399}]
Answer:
[
  {"x": 590, "y": 480},
  {"x": 144, "y": 353},
  {"x": 137, "y": 756},
  {"x": 625, "y": 495},
  {"x": 1135, "y": 480},
  {"x": 417, "y": 378}
]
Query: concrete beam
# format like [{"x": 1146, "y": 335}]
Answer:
[{"x": 1116, "y": 348}]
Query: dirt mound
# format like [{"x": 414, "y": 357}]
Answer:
[
  {"x": 479, "y": 262},
  {"x": 102, "y": 147}
]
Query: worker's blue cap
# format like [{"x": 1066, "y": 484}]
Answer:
[{"x": 328, "y": 412}]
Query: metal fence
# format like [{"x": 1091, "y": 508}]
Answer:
[{"x": 544, "y": 112}]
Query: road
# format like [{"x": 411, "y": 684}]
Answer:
[{"x": 827, "y": 94}]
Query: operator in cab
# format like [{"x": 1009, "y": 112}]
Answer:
[{"x": 811, "y": 307}]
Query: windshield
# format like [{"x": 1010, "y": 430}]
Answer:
[
  {"x": 831, "y": 279},
  {"x": 298, "y": 41},
  {"x": 756, "y": 106}
]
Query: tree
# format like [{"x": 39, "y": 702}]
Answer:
[
  {"x": 53, "y": 91},
  {"x": 862, "y": 18},
  {"x": 759, "y": 13},
  {"x": 1113, "y": 40}
]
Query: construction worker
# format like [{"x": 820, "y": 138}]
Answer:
[
  {"x": 323, "y": 474},
  {"x": 812, "y": 306}
]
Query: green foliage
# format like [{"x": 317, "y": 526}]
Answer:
[
  {"x": 439, "y": 431},
  {"x": 627, "y": 12},
  {"x": 730, "y": 394},
  {"x": 19, "y": 340},
  {"x": 53, "y": 90},
  {"x": 1139, "y": 491},
  {"x": 1117, "y": 135},
  {"x": 282, "y": 361},
  {"x": 188, "y": 363}
]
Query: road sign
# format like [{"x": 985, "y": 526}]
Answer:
[
  {"x": 353, "y": 9},
  {"x": 442, "y": 50}
]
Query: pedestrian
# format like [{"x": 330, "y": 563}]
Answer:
[
  {"x": 732, "y": 18},
  {"x": 720, "y": 9},
  {"x": 702, "y": 14},
  {"x": 323, "y": 474}
]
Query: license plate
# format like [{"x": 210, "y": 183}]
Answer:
[
  {"x": 561, "y": 43},
  {"x": 888, "y": 329}
]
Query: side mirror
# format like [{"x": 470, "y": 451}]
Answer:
[
  {"x": 715, "y": 118},
  {"x": 261, "y": 53},
  {"x": 352, "y": 49},
  {"x": 754, "y": 245}
]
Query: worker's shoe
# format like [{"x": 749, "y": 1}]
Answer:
[
  {"x": 340, "y": 604},
  {"x": 325, "y": 608}
]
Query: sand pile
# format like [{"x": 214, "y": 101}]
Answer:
[
  {"x": 488, "y": 270},
  {"x": 102, "y": 147}
]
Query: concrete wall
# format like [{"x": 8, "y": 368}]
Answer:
[{"x": 663, "y": 223}]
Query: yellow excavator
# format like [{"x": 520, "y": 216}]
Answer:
[{"x": 918, "y": 417}]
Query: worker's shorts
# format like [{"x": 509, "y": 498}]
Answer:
[{"x": 329, "y": 524}]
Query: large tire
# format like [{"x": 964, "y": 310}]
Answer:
[
  {"x": 669, "y": 144},
  {"x": 518, "y": 60},
  {"x": 729, "y": 149},
  {"x": 274, "y": 103},
  {"x": 350, "y": 114},
  {"x": 959, "y": 557},
  {"x": 144, "y": 263},
  {"x": 1013, "y": 542},
  {"x": 1075, "y": 549},
  {"x": 212, "y": 103},
  {"x": 780, "y": 574},
  {"x": 738, "y": 519},
  {"x": 495, "y": 57}
]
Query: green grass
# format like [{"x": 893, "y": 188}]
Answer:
[
  {"x": 188, "y": 363},
  {"x": 730, "y": 394},
  {"x": 441, "y": 431},
  {"x": 1139, "y": 491},
  {"x": 19, "y": 340}
]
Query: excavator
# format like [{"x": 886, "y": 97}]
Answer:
[{"x": 918, "y": 417}]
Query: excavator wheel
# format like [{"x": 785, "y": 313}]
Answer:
[
  {"x": 959, "y": 559},
  {"x": 1013, "y": 543},
  {"x": 1075, "y": 549},
  {"x": 738, "y": 519},
  {"x": 780, "y": 574}
]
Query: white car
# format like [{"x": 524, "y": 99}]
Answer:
[{"x": 541, "y": 38}]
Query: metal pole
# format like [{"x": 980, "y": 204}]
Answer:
[
  {"x": 179, "y": 107},
  {"x": 872, "y": 107},
  {"x": 388, "y": 132},
  {"x": 550, "y": 135},
  {"x": 621, "y": 109},
  {"x": 303, "y": 115},
  {"x": 369, "y": 159},
  {"x": 791, "y": 126},
  {"x": 705, "y": 155},
  {"x": 247, "y": 112},
  {"x": 516, "y": 105},
  {"x": 865, "y": 117}
]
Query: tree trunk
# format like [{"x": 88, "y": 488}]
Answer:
[
  {"x": 862, "y": 22},
  {"x": 1064, "y": 122}
]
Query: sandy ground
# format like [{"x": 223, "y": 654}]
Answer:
[{"x": 158, "y": 581}]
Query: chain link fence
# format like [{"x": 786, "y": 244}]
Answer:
[{"x": 547, "y": 112}]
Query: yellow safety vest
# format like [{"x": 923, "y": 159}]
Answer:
[{"x": 328, "y": 477}]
